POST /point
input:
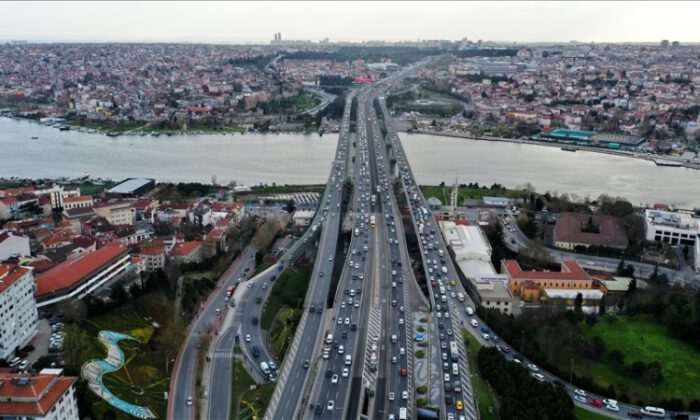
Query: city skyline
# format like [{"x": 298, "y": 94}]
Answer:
[{"x": 214, "y": 22}]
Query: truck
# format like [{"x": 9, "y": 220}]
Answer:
[
  {"x": 454, "y": 352},
  {"x": 230, "y": 290},
  {"x": 402, "y": 413}
]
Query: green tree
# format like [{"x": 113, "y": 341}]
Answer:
[
  {"x": 578, "y": 303},
  {"x": 75, "y": 347}
]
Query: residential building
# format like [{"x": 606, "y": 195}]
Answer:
[
  {"x": 583, "y": 230},
  {"x": 12, "y": 245},
  {"x": 187, "y": 252},
  {"x": 58, "y": 194},
  {"x": 529, "y": 285},
  {"x": 116, "y": 212},
  {"x": 8, "y": 207},
  {"x": 46, "y": 396},
  {"x": 18, "y": 314},
  {"x": 675, "y": 228},
  {"x": 81, "y": 275},
  {"x": 152, "y": 254}
]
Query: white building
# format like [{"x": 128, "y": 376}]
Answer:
[
  {"x": 12, "y": 245},
  {"x": 57, "y": 194},
  {"x": 303, "y": 217},
  {"x": 696, "y": 253},
  {"x": 117, "y": 212},
  {"x": 675, "y": 228},
  {"x": 472, "y": 254},
  {"x": 18, "y": 314},
  {"x": 46, "y": 396}
]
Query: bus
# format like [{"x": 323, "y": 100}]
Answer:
[
  {"x": 372, "y": 221},
  {"x": 653, "y": 411}
]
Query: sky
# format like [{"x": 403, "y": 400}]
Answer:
[{"x": 256, "y": 22}]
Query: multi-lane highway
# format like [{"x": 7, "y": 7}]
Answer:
[{"x": 297, "y": 364}]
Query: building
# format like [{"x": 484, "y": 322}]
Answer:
[
  {"x": 46, "y": 396},
  {"x": 529, "y": 285},
  {"x": 77, "y": 202},
  {"x": 675, "y": 228},
  {"x": 303, "y": 217},
  {"x": 12, "y": 245},
  {"x": 152, "y": 254},
  {"x": 116, "y": 212},
  {"x": 18, "y": 314},
  {"x": 696, "y": 254},
  {"x": 502, "y": 202},
  {"x": 81, "y": 275},
  {"x": 576, "y": 229},
  {"x": 187, "y": 252},
  {"x": 131, "y": 187},
  {"x": 471, "y": 253},
  {"x": 590, "y": 302},
  {"x": 58, "y": 194}
]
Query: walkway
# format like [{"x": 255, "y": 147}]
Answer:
[{"x": 93, "y": 370}]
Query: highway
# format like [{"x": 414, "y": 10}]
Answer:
[{"x": 294, "y": 371}]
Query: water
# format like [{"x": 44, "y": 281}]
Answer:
[{"x": 306, "y": 159}]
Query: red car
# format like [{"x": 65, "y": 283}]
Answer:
[
  {"x": 433, "y": 283},
  {"x": 403, "y": 372},
  {"x": 597, "y": 403}
]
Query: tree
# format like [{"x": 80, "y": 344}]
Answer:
[
  {"x": 578, "y": 303},
  {"x": 602, "y": 306},
  {"x": 266, "y": 234},
  {"x": 119, "y": 294},
  {"x": 632, "y": 287},
  {"x": 72, "y": 310},
  {"x": 75, "y": 347},
  {"x": 617, "y": 357}
]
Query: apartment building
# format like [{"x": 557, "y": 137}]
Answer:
[
  {"x": 46, "y": 396},
  {"x": 18, "y": 314}
]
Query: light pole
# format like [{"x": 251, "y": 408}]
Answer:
[{"x": 571, "y": 377}]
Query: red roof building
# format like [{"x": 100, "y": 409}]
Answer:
[
  {"x": 81, "y": 275},
  {"x": 571, "y": 276},
  {"x": 46, "y": 395},
  {"x": 186, "y": 252},
  {"x": 576, "y": 229}
]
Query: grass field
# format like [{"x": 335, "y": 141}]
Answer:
[
  {"x": 582, "y": 414},
  {"x": 288, "y": 290},
  {"x": 485, "y": 397},
  {"x": 443, "y": 193},
  {"x": 642, "y": 339},
  {"x": 144, "y": 365}
]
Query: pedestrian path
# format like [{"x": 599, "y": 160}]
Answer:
[{"x": 93, "y": 371}]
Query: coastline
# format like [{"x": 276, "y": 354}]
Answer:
[{"x": 659, "y": 160}]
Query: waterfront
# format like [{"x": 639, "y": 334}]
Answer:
[{"x": 305, "y": 159}]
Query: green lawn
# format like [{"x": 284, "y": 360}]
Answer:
[
  {"x": 282, "y": 329},
  {"x": 443, "y": 193},
  {"x": 486, "y": 400},
  {"x": 582, "y": 414},
  {"x": 254, "y": 403},
  {"x": 288, "y": 290},
  {"x": 642, "y": 339}
]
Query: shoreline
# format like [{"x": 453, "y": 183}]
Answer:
[{"x": 658, "y": 160}]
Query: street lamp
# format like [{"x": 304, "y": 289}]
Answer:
[{"x": 571, "y": 377}]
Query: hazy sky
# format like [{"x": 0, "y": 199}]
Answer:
[{"x": 349, "y": 21}]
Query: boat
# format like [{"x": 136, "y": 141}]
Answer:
[
  {"x": 113, "y": 134},
  {"x": 569, "y": 149},
  {"x": 34, "y": 137},
  {"x": 64, "y": 128}
]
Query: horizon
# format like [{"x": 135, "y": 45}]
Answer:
[{"x": 218, "y": 23}]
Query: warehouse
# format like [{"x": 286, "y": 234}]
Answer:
[{"x": 131, "y": 187}]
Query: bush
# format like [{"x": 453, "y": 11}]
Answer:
[
  {"x": 420, "y": 354},
  {"x": 423, "y": 389}
]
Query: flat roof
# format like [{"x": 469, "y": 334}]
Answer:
[
  {"x": 467, "y": 242},
  {"x": 594, "y": 294},
  {"x": 130, "y": 185},
  {"x": 570, "y": 270}
]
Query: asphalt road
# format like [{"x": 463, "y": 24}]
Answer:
[{"x": 185, "y": 367}]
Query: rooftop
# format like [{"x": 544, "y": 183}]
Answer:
[
  {"x": 128, "y": 186},
  {"x": 570, "y": 270},
  {"x": 185, "y": 248},
  {"x": 9, "y": 274},
  {"x": 31, "y": 396},
  {"x": 74, "y": 270},
  {"x": 672, "y": 219},
  {"x": 611, "y": 232},
  {"x": 466, "y": 241}
]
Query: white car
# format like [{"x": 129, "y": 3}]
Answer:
[
  {"x": 247, "y": 338},
  {"x": 346, "y": 372},
  {"x": 334, "y": 379},
  {"x": 612, "y": 408},
  {"x": 404, "y": 395},
  {"x": 536, "y": 369},
  {"x": 580, "y": 392},
  {"x": 330, "y": 405},
  {"x": 580, "y": 399},
  {"x": 391, "y": 396}
]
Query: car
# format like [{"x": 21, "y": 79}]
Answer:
[
  {"x": 329, "y": 373},
  {"x": 334, "y": 378},
  {"x": 254, "y": 321},
  {"x": 394, "y": 359},
  {"x": 451, "y": 416},
  {"x": 486, "y": 336},
  {"x": 258, "y": 300},
  {"x": 305, "y": 364},
  {"x": 218, "y": 311},
  {"x": 635, "y": 414},
  {"x": 189, "y": 400},
  {"x": 580, "y": 392},
  {"x": 400, "y": 321},
  {"x": 597, "y": 403},
  {"x": 312, "y": 309},
  {"x": 459, "y": 405},
  {"x": 612, "y": 407},
  {"x": 538, "y": 376},
  {"x": 318, "y": 410},
  {"x": 346, "y": 372},
  {"x": 404, "y": 395},
  {"x": 340, "y": 321},
  {"x": 347, "y": 321},
  {"x": 580, "y": 399},
  {"x": 457, "y": 386},
  {"x": 447, "y": 377},
  {"x": 330, "y": 405},
  {"x": 264, "y": 286},
  {"x": 341, "y": 349},
  {"x": 256, "y": 351},
  {"x": 516, "y": 360},
  {"x": 247, "y": 338},
  {"x": 536, "y": 369},
  {"x": 448, "y": 400},
  {"x": 403, "y": 372}
]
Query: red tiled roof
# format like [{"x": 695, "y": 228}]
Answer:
[
  {"x": 185, "y": 248},
  {"x": 84, "y": 242},
  {"x": 8, "y": 200},
  {"x": 216, "y": 233},
  {"x": 10, "y": 273},
  {"x": 151, "y": 247},
  {"x": 42, "y": 391},
  {"x": 570, "y": 270},
  {"x": 72, "y": 271},
  {"x": 41, "y": 266},
  {"x": 14, "y": 191},
  {"x": 77, "y": 199}
]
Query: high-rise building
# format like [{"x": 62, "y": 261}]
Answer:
[
  {"x": 18, "y": 314},
  {"x": 664, "y": 43}
]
